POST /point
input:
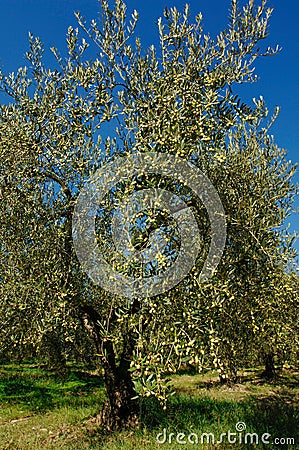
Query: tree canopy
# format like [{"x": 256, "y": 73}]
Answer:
[{"x": 179, "y": 100}]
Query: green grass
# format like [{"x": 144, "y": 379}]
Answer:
[{"x": 40, "y": 411}]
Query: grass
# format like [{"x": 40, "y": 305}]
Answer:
[{"x": 40, "y": 411}]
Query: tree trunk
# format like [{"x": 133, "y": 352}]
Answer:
[
  {"x": 121, "y": 409},
  {"x": 227, "y": 371},
  {"x": 51, "y": 348},
  {"x": 228, "y": 376},
  {"x": 269, "y": 372}
]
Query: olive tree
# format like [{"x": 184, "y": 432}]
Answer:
[{"x": 175, "y": 100}]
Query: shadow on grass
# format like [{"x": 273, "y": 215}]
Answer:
[
  {"x": 36, "y": 398},
  {"x": 187, "y": 414},
  {"x": 284, "y": 380},
  {"x": 41, "y": 391}
]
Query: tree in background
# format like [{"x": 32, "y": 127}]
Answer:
[{"x": 177, "y": 100}]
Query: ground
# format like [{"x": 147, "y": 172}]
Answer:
[{"x": 38, "y": 410}]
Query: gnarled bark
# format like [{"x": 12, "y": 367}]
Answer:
[{"x": 121, "y": 409}]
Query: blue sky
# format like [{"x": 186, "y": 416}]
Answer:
[{"x": 279, "y": 75}]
